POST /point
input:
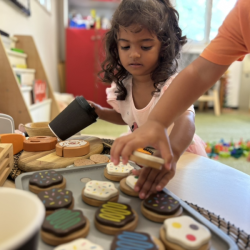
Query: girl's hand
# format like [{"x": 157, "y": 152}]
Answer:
[{"x": 98, "y": 108}]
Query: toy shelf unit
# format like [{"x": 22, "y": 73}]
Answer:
[{"x": 19, "y": 69}]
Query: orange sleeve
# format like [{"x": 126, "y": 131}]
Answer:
[{"x": 233, "y": 40}]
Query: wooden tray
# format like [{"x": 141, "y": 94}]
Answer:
[{"x": 6, "y": 161}]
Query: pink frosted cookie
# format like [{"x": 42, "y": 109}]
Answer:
[{"x": 184, "y": 233}]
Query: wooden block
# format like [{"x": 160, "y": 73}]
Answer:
[
  {"x": 39, "y": 143},
  {"x": 6, "y": 161},
  {"x": 16, "y": 139}
]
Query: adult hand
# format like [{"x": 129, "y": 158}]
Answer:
[{"x": 151, "y": 133}]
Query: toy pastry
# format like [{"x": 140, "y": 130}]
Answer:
[
  {"x": 160, "y": 206},
  {"x": 46, "y": 180},
  {"x": 127, "y": 185},
  {"x": 96, "y": 193},
  {"x": 39, "y": 143},
  {"x": 72, "y": 148},
  {"x": 83, "y": 162},
  {"x": 114, "y": 217},
  {"x": 184, "y": 233},
  {"x": 63, "y": 226},
  {"x": 116, "y": 173},
  {"x": 56, "y": 198},
  {"x": 134, "y": 240},
  {"x": 97, "y": 158},
  {"x": 79, "y": 244}
]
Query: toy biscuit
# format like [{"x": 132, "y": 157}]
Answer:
[
  {"x": 56, "y": 198},
  {"x": 116, "y": 173},
  {"x": 40, "y": 143},
  {"x": 160, "y": 206},
  {"x": 134, "y": 240},
  {"x": 46, "y": 180},
  {"x": 72, "y": 148},
  {"x": 83, "y": 162},
  {"x": 127, "y": 185},
  {"x": 114, "y": 217},
  {"x": 63, "y": 226},
  {"x": 79, "y": 244},
  {"x": 97, "y": 158},
  {"x": 184, "y": 233},
  {"x": 97, "y": 193}
]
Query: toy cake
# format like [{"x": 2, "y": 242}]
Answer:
[
  {"x": 79, "y": 244},
  {"x": 116, "y": 173},
  {"x": 184, "y": 233},
  {"x": 39, "y": 143},
  {"x": 160, "y": 206},
  {"x": 63, "y": 226},
  {"x": 127, "y": 185},
  {"x": 96, "y": 193},
  {"x": 46, "y": 180},
  {"x": 134, "y": 240},
  {"x": 114, "y": 217},
  {"x": 56, "y": 198}
]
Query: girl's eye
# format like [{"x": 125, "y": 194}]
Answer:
[
  {"x": 146, "y": 48},
  {"x": 125, "y": 48}
]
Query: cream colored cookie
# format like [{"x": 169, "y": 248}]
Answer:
[
  {"x": 126, "y": 189},
  {"x": 120, "y": 170},
  {"x": 97, "y": 158},
  {"x": 131, "y": 181}
]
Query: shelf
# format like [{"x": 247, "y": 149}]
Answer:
[{"x": 40, "y": 112}]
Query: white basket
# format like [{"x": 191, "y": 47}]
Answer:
[
  {"x": 26, "y": 91},
  {"x": 17, "y": 59},
  {"x": 25, "y": 76},
  {"x": 40, "y": 112}
]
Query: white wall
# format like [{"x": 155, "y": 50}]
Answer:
[{"x": 41, "y": 25}]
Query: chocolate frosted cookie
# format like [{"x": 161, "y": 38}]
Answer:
[
  {"x": 134, "y": 240},
  {"x": 160, "y": 206},
  {"x": 46, "y": 180},
  {"x": 113, "y": 217},
  {"x": 63, "y": 226},
  {"x": 56, "y": 198}
]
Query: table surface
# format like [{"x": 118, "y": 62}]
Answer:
[{"x": 212, "y": 185}]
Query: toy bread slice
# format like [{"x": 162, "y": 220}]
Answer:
[{"x": 15, "y": 139}]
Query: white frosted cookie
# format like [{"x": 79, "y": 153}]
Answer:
[
  {"x": 100, "y": 190},
  {"x": 73, "y": 143},
  {"x": 186, "y": 232},
  {"x": 121, "y": 169},
  {"x": 79, "y": 244},
  {"x": 131, "y": 181}
]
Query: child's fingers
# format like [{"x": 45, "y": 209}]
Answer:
[
  {"x": 142, "y": 178},
  {"x": 166, "y": 151},
  {"x": 136, "y": 172},
  {"x": 163, "y": 182}
]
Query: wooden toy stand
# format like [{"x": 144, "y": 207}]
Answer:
[{"x": 11, "y": 98}]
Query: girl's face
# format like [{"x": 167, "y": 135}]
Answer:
[{"x": 138, "y": 52}]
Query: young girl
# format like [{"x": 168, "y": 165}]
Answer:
[{"x": 142, "y": 49}]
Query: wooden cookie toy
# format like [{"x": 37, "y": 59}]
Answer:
[
  {"x": 15, "y": 139},
  {"x": 160, "y": 206},
  {"x": 127, "y": 185},
  {"x": 72, "y": 148},
  {"x": 134, "y": 240},
  {"x": 184, "y": 233},
  {"x": 46, "y": 180},
  {"x": 63, "y": 226},
  {"x": 97, "y": 193},
  {"x": 56, "y": 198},
  {"x": 116, "y": 173},
  {"x": 79, "y": 244},
  {"x": 83, "y": 162},
  {"x": 114, "y": 217},
  {"x": 97, "y": 158},
  {"x": 40, "y": 143}
]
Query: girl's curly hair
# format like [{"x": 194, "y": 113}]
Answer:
[{"x": 160, "y": 18}]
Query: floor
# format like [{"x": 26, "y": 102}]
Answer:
[{"x": 231, "y": 126}]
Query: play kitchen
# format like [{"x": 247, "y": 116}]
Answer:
[{"x": 73, "y": 195}]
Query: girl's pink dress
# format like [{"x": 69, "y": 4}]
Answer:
[{"x": 137, "y": 117}]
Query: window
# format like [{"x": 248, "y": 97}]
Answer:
[
  {"x": 201, "y": 19},
  {"x": 46, "y": 4}
]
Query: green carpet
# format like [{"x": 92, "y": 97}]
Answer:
[{"x": 231, "y": 125}]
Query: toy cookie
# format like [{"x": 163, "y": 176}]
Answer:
[
  {"x": 160, "y": 206},
  {"x": 79, "y": 244},
  {"x": 133, "y": 240},
  {"x": 116, "y": 173},
  {"x": 56, "y": 198},
  {"x": 46, "y": 180},
  {"x": 97, "y": 158},
  {"x": 97, "y": 193},
  {"x": 184, "y": 233},
  {"x": 63, "y": 226},
  {"x": 114, "y": 217},
  {"x": 83, "y": 162},
  {"x": 40, "y": 143},
  {"x": 127, "y": 185},
  {"x": 72, "y": 148}
]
